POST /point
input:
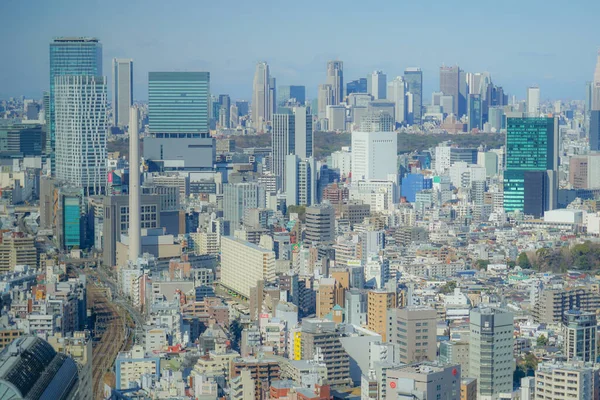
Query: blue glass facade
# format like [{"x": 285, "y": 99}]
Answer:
[
  {"x": 357, "y": 86},
  {"x": 413, "y": 184},
  {"x": 71, "y": 56},
  {"x": 178, "y": 102},
  {"x": 72, "y": 221}
]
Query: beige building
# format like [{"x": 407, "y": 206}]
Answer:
[
  {"x": 131, "y": 365},
  {"x": 329, "y": 294},
  {"x": 413, "y": 328},
  {"x": 553, "y": 303},
  {"x": 427, "y": 380},
  {"x": 243, "y": 386},
  {"x": 243, "y": 264},
  {"x": 78, "y": 347},
  {"x": 206, "y": 242},
  {"x": 378, "y": 303},
  {"x": 577, "y": 381},
  {"x": 468, "y": 389},
  {"x": 17, "y": 249}
]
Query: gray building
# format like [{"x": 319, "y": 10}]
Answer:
[
  {"x": 122, "y": 90},
  {"x": 413, "y": 329},
  {"x": 320, "y": 223},
  {"x": 579, "y": 329},
  {"x": 300, "y": 181},
  {"x": 291, "y": 93},
  {"x": 238, "y": 197},
  {"x": 377, "y": 85},
  {"x": 414, "y": 85},
  {"x": 335, "y": 78},
  {"x": 424, "y": 381}
]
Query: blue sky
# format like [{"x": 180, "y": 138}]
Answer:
[{"x": 549, "y": 43}]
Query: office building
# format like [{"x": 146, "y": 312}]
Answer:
[
  {"x": 396, "y": 92},
  {"x": 455, "y": 352},
  {"x": 378, "y": 303},
  {"x": 31, "y": 369},
  {"x": 336, "y": 118},
  {"x": 533, "y": 102},
  {"x": 324, "y": 99},
  {"x": 122, "y": 90},
  {"x": 578, "y": 172},
  {"x": 178, "y": 119},
  {"x": 414, "y": 85},
  {"x": 321, "y": 337},
  {"x": 21, "y": 139},
  {"x": 320, "y": 224},
  {"x": 413, "y": 184},
  {"x": 244, "y": 265},
  {"x": 474, "y": 112},
  {"x": 178, "y": 102},
  {"x": 530, "y": 178},
  {"x": 300, "y": 181},
  {"x": 335, "y": 78},
  {"x": 70, "y": 56},
  {"x": 594, "y": 130},
  {"x": 424, "y": 380},
  {"x": 572, "y": 380},
  {"x": 224, "y": 111},
  {"x": 413, "y": 329},
  {"x": 491, "y": 351},
  {"x": 357, "y": 86},
  {"x": 81, "y": 128},
  {"x": 262, "y": 97},
  {"x": 579, "y": 330},
  {"x": 237, "y": 197},
  {"x": 374, "y": 155},
  {"x": 377, "y": 85},
  {"x": 291, "y": 94},
  {"x": 496, "y": 118},
  {"x": 450, "y": 85},
  {"x": 292, "y": 134}
]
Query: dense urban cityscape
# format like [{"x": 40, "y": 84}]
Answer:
[{"x": 374, "y": 241}]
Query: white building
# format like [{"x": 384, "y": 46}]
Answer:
[
  {"x": 533, "y": 101},
  {"x": 243, "y": 264},
  {"x": 342, "y": 160},
  {"x": 81, "y": 127},
  {"x": 300, "y": 181},
  {"x": 381, "y": 195},
  {"x": 262, "y": 101},
  {"x": 374, "y": 155},
  {"x": 336, "y": 116},
  {"x": 396, "y": 92},
  {"x": 376, "y": 85}
]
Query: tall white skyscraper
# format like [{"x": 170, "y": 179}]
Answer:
[
  {"x": 335, "y": 78},
  {"x": 376, "y": 85},
  {"x": 491, "y": 351},
  {"x": 262, "y": 97},
  {"x": 396, "y": 92},
  {"x": 122, "y": 90},
  {"x": 374, "y": 149},
  {"x": 533, "y": 101},
  {"x": 135, "y": 246},
  {"x": 292, "y": 133},
  {"x": 81, "y": 126},
  {"x": 324, "y": 99},
  {"x": 300, "y": 181},
  {"x": 596, "y": 86}
]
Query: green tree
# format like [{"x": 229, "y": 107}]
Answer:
[
  {"x": 530, "y": 362},
  {"x": 448, "y": 287},
  {"x": 542, "y": 341},
  {"x": 482, "y": 264},
  {"x": 523, "y": 261}
]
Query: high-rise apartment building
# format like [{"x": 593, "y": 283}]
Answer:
[
  {"x": 491, "y": 351},
  {"x": 300, "y": 181},
  {"x": 17, "y": 248},
  {"x": 292, "y": 133},
  {"x": 178, "y": 118},
  {"x": 414, "y": 85},
  {"x": 122, "y": 90},
  {"x": 533, "y": 101},
  {"x": 396, "y": 92},
  {"x": 377, "y": 85},
  {"x": 81, "y": 128},
  {"x": 244, "y": 264},
  {"x": 378, "y": 303},
  {"x": 450, "y": 85},
  {"x": 573, "y": 380},
  {"x": 262, "y": 96},
  {"x": 530, "y": 178},
  {"x": 70, "y": 56},
  {"x": 320, "y": 223},
  {"x": 580, "y": 331},
  {"x": 413, "y": 329},
  {"x": 335, "y": 78},
  {"x": 553, "y": 303}
]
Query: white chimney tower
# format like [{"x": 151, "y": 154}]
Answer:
[{"x": 134, "y": 187}]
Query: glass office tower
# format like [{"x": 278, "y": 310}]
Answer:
[
  {"x": 70, "y": 56},
  {"x": 414, "y": 85},
  {"x": 178, "y": 102},
  {"x": 531, "y": 165}
]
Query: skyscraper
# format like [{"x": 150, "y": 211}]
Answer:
[
  {"x": 122, "y": 90},
  {"x": 178, "y": 102},
  {"x": 335, "y": 78},
  {"x": 357, "y": 86},
  {"x": 377, "y": 85},
  {"x": 224, "y": 110},
  {"x": 261, "y": 96},
  {"x": 300, "y": 181},
  {"x": 374, "y": 153},
  {"x": 533, "y": 101},
  {"x": 596, "y": 86},
  {"x": 81, "y": 127},
  {"x": 414, "y": 84},
  {"x": 294, "y": 93},
  {"x": 292, "y": 133},
  {"x": 530, "y": 178},
  {"x": 450, "y": 86},
  {"x": 594, "y": 130},
  {"x": 71, "y": 56},
  {"x": 491, "y": 351},
  {"x": 396, "y": 92},
  {"x": 474, "y": 112},
  {"x": 324, "y": 99},
  {"x": 178, "y": 116}
]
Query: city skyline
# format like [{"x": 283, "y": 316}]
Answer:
[{"x": 512, "y": 62}]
